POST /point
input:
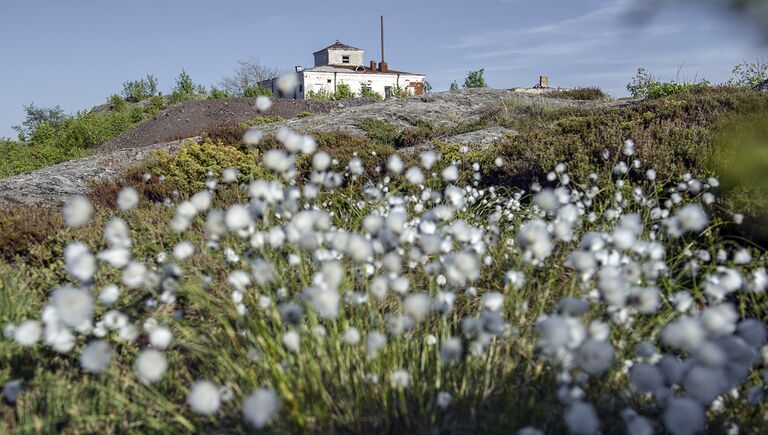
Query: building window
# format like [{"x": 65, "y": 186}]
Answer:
[
  {"x": 344, "y": 59},
  {"x": 329, "y": 80}
]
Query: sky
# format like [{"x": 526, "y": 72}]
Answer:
[{"x": 76, "y": 53}]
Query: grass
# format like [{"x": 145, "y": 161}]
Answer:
[{"x": 333, "y": 387}]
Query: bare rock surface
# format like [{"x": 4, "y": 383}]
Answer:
[
  {"x": 445, "y": 109},
  {"x": 54, "y": 184}
]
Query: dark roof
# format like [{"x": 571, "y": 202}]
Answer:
[
  {"x": 360, "y": 69},
  {"x": 338, "y": 46}
]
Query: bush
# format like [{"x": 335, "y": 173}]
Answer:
[
  {"x": 475, "y": 79},
  {"x": 588, "y": 93},
  {"x": 749, "y": 74},
  {"x": 257, "y": 91},
  {"x": 673, "y": 136},
  {"x": 23, "y": 227},
  {"x": 343, "y": 92},
  {"x": 71, "y": 138},
  {"x": 321, "y": 95},
  {"x": 378, "y": 131},
  {"x": 156, "y": 105},
  {"x": 645, "y": 85},
  {"x": 137, "y": 90},
  {"x": 218, "y": 94},
  {"x": 117, "y": 102}
]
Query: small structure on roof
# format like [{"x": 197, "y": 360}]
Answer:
[{"x": 340, "y": 63}]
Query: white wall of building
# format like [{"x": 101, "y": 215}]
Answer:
[{"x": 318, "y": 80}]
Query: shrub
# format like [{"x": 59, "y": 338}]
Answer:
[
  {"x": 454, "y": 86},
  {"x": 749, "y": 74},
  {"x": 117, "y": 102},
  {"x": 645, "y": 85},
  {"x": 343, "y": 92},
  {"x": 156, "y": 105},
  {"x": 475, "y": 79},
  {"x": 378, "y": 131},
  {"x": 588, "y": 93},
  {"x": 257, "y": 91},
  {"x": 218, "y": 94},
  {"x": 673, "y": 136},
  {"x": 227, "y": 134},
  {"x": 23, "y": 227},
  {"x": 321, "y": 95},
  {"x": 137, "y": 90}
]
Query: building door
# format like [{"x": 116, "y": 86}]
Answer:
[{"x": 387, "y": 91}]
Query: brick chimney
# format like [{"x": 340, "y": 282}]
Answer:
[
  {"x": 383, "y": 67},
  {"x": 373, "y": 66}
]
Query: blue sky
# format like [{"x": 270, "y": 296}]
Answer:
[{"x": 75, "y": 53}]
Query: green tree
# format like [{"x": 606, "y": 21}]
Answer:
[
  {"x": 427, "y": 87},
  {"x": 38, "y": 115},
  {"x": 184, "y": 84},
  {"x": 137, "y": 90},
  {"x": 475, "y": 79},
  {"x": 454, "y": 86}
]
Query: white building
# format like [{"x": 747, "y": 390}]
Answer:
[{"x": 340, "y": 63}]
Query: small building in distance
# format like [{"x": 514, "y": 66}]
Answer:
[{"x": 340, "y": 63}]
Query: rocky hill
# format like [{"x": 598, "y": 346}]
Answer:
[{"x": 168, "y": 129}]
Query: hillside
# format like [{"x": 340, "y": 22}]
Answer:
[{"x": 446, "y": 110}]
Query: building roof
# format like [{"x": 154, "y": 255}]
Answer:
[
  {"x": 338, "y": 46},
  {"x": 359, "y": 69}
]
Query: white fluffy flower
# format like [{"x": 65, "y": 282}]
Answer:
[
  {"x": 109, "y": 294},
  {"x": 684, "y": 416},
  {"x": 96, "y": 356},
  {"x": 74, "y": 306},
  {"x": 581, "y": 418},
  {"x": 351, "y": 336},
  {"x": 292, "y": 341},
  {"x": 127, "y": 199},
  {"x": 395, "y": 164},
  {"x": 81, "y": 264},
  {"x": 77, "y": 211},
  {"x": 183, "y": 250},
  {"x": 203, "y": 398},
  {"x": 238, "y": 217},
  {"x": 134, "y": 274},
  {"x": 400, "y": 379},
  {"x": 263, "y": 103},
  {"x": 160, "y": 337},
  {"x": 150, "y": 366},
  {"x": 260, "y": 408},
  {"x": 27, "y": 333}
]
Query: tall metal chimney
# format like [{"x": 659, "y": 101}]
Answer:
[{"x": 382, "y": 65}]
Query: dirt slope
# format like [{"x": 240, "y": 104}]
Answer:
[{"x": 192, "y": 118}]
